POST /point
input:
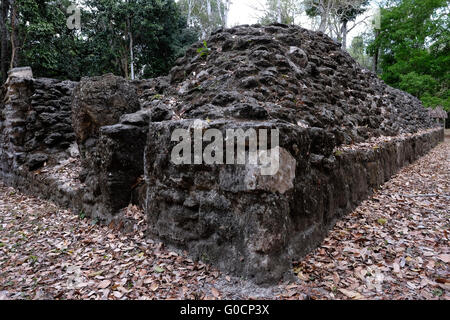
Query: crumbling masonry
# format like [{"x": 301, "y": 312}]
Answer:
[{"x": 100, "y": 144}]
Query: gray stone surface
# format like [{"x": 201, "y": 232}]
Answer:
[
  {"x": 35, "y": 122},
  {"x": 100, "y": 101}
]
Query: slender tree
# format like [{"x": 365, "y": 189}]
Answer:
[
  {"x": 335, "y": 16},
  {"x": 4, "y": 39},
  {"x": 281, "y": 11},
  {"x": 206, "y": 15}
]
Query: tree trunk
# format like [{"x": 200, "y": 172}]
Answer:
[
  {"x": 14, "y": 35},
  {"x": 124, "y": 46},
  {"x": 4, "y": 34},
  {"x": 208, "y": 9},
  {"x": 219, "y": 10},
  {"x": 376, "y": 54},
  {"x": 131, "y": 50},
  {"x": 344, "y": 32},
  {"x": 207, "y": 29},
  {"x": 324, "y": 8},
  {"x": 189, "y": 12},
  {"x": 279, "y": 17},
  {"x": 226, "y": 13}
]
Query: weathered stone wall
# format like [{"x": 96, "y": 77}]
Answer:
[
  {"x": 99, "y": 102},
  {"x": 110, "y": 117},
  {"x": 256, "y": 229},
  {"x": 77, "y": 143},
  {"x": 35, "y": 125},
  {"x": 322, "y": 101}
]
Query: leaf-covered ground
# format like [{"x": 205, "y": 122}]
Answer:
[{"x": 393, "y": 246}]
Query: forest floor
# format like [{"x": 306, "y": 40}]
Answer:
[{"x": 395, "y": 245}]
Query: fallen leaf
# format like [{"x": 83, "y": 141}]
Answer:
[
  {"x": 104, "y": 284},
  {"x": 444, "y": 257},
  {"x": 302, "y": 276},
  {"x": 154, "y": 286},
  {"x": 158, "y": 269},
  {"x": 351, "y": 294},
  {"x": 396, "y": 267},
  {"x": 215, "y": 292}
]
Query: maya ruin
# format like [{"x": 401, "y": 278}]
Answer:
[{"x": 97, "y": 145}]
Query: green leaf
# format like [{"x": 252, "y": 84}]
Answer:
[{"x": 158, "y": 269}]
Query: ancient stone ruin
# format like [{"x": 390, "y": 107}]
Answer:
[{"x": 98, "y": 145}]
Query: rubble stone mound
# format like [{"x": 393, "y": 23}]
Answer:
[
  {"x": 293, "y": 75},
  {"x": 301, "y": 83}
]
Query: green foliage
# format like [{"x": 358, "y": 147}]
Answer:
[
  {"x": 417, "y": 84},
  {"x": 158, "y": 269},
  {"x": 338, "y": 153},
  {"x": 82, "y": 215},
  {"x": 158, "y": 28},
  {"x": 439, "y": 99},
  {"x": 414, "y": 49},
  {"x": 159, "y": 31},
  {"x": 204, "y": 51},
  {"x": 32, "y": 259},
  {"x": 437, "y": 292},
  {"x": 358, "y": 51},
  {"x": 48, "y": 46}
]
